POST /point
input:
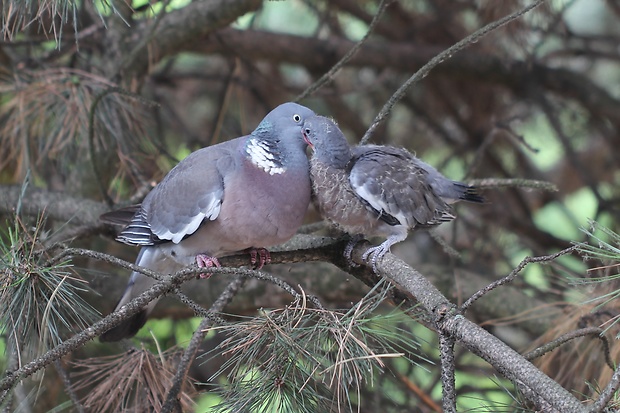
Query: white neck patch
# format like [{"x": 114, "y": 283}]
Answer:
[{"x": 261, "y": 156}]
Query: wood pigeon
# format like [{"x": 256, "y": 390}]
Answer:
[
  {"x": 372, "y": 190},
  {"x": 247, "y": 193}
]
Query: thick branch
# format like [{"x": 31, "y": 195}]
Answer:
[
  {"x": 80, "y": 211},
  {"x": 321, "y": 54},
  {"x": 449, "y": 321},
  {"x": 57, "y": 205},
  {"x": 179, "y": 27}
]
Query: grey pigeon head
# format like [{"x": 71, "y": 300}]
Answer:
[
  {"x": 327, "y": 140},
  {"x": 284, "y": 121}
]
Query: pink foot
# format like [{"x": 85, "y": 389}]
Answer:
[
  {"x": 259, "y": 257},
  {"x": 204, "y": 261}
]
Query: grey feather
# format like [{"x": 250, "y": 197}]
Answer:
[
  {"x": 249, "y": 192},
  {"x": 373, "y": 190}
]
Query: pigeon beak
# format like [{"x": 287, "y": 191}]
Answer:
[{"x": 307, "y": 140}]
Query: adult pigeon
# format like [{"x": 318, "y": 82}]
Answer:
[
  {"x": 247, "y": 193},
  {"x": 372, "y": 190}
]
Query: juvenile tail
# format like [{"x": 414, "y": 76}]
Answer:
[{"x": 470, "y": 194}]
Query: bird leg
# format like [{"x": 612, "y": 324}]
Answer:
[
  {"x": 380, "y": 250},
  {"x": 348, "y": 249},
  {"x": 259, "y": 257},
  {"x": 205, "y": 261}
]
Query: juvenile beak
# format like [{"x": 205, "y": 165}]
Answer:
[{"x": 305, "y": 135}]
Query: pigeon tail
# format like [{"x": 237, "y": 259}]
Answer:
[
  {"x": 126, "y": 329},
  {"x": 138, "y": 283}
]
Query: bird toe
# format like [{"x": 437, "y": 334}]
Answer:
[
  {"x": 259, "y": 257},
  {"x": 205, "y": 261}
]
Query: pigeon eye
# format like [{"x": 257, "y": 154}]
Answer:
[
  {"x": 307, "y": 131},
  {"x": 297, "y": 118}
]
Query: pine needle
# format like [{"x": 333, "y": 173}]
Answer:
[
  {"x": 604, "y": 245},
  {"x": 46, "y": 117},
  {"x": 39, "y": 305},
  {"x": 302, "y": 359},
  {"x": 136, "y": 381}
]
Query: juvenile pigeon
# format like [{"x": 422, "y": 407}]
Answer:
[
  {"x": 373, "y": 190},
  {"x": 247, "y": 193}
]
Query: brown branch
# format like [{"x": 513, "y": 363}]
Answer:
[
  {"x": 321, "y": 54},
  {"x": 179, "y": 27},
  {"x": 440, "y": 312},
  {"x": 445, "y": 316},
  {"x": 597, "y": 332},
  {"x": 85, "y": 214},
  {"x": 57, "y": 205}
]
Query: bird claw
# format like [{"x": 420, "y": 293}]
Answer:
[
  {"x": 259, "y": 257},
  {"x": 375, "y": 254},
  {"x": 205, "y": 261}
]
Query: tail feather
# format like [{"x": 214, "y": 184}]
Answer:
[
  {"x": 470, "y": 194},
  {"x": 127, "y": 329},
  {"x": 121, "y": 216},
  {"x": 138, "y": 283}
]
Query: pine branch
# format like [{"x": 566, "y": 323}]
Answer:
[
  {"x": 176, "y": 29},
  {"x": 447, "y": 319}
]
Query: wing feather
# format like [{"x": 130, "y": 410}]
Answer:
[
  {"x": 389, "y": 181},
  {"x": 192, "y": 192}
]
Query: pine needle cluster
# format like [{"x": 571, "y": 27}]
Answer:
[
  {"x": 604, "y": 247},
  {"x": 39, "y": 303},
  {"x": 302, "y": 359},
  {"x": 136, "y": 381},
  {"x": 62, "y": 112},
  {"x": 47, "y": 18}
]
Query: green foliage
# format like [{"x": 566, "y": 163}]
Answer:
[
  {"x": 277, "y": 16},
  {"x": 136, "y": 381},
  {"x": 306, "y": 359},
  {"x": 47, "y": 116},
  {"x": 50, "y": 16},
  {"x": 605, "y": 247},
  {"x": 39, "y": 302}
]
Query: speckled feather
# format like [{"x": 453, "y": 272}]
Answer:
[{"x": 377, "y": 190}]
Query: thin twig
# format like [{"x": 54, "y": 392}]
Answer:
[
  {"x": 601, "y": 403},
  {"x": 446, "y": 350},
  {"x": 66, "y": 380},
  {"x": 513, "y": 274},
  {"x": 513, "y": 183},
  {"x": 91, "y": 134},
  {"x": 197, "y": 308},
  {"x": 327, "y": 77},
  {"x": 597, "y": 332},
  {"x": 446, "y": 54},
  {"x": 190, "y": 353}
]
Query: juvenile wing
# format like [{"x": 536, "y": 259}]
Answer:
[{"x": 388, "y": 180}]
